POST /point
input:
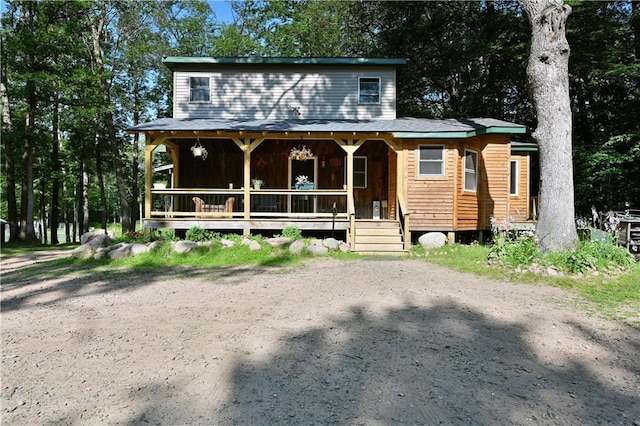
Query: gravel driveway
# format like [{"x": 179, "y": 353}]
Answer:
[{"x": 377, "y": 341}]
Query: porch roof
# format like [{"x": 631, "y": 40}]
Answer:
[{"x": 401, "y": 128}]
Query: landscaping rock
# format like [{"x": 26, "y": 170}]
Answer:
[
  {"x": 155, "y": 245},
  {"x": 88, "y": 249},
  {"x": 120, "y": 251},
  {"x": 254, "y": 245},
  {"x": 331, "y": 243},
  {"x": 101, "y": 253},
  {"x": 183, "y": 246},
  {"x": 88, "y": 236},
  {"x": 138, "y": 248},
  {"x": 227, "y": 243},
  {"x": 296, "y": 247},
  {"x": 432, "y": 240},
  {"x": 278, "y": 241},
  {"x": 344, "y": 247},
  {"x": 317, "y": 249}
]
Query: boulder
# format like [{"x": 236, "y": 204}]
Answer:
[
  {"x": 91, "y": 244},
  {"x": 278, "y": 241},
  {"x": 331, "y": 243},
  {"x": 296, "y": 246},
  {"x": 227, "y": 243},
  {"x": 432, "y": 240},
  {"x": 138, "y": 248},
  {"x": 344, "y": 247},
  {"x": 120, "y": 251},
  {"x": 317, "y": 250},
  {"x": 183, "y": 246},
  {"x": 254, "y": 245}
]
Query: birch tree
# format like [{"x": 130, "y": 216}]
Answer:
[{"x": 548, "y": 83}]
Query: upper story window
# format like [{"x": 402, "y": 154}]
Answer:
[
  {"x": 199, "y": 90},
  {"x": 369, "y": 90},
  {"x": 470, "y": 170},
  {"x": 513, "y": 179},
  {"x": 431, "y": 160}
]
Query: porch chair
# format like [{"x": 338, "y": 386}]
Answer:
[
  {"x": 268, "y": 203},
  {"x": 201, "y": 207}
]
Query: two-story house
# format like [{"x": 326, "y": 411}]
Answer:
[{"x": 320, "y": 139}]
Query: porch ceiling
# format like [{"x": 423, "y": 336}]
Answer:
[{"x": 401, "y": 128}]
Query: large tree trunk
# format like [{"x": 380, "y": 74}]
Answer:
[
  {"x": 10, "y": 170},
  {"x": 55, "y": 162},
  {"x": 125, "y": 208},
  {"x": 548, "y": 80},
  {"x": 27, "y": 230}
]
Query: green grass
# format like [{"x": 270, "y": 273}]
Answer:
[{"x": 614, "y": 295}]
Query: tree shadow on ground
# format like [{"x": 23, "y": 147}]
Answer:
[
  {"x": 77, "y": 278},
  {"x": 445, "y": 364}
]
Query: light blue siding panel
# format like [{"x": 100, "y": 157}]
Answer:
[{"x": 279, "y": 93}]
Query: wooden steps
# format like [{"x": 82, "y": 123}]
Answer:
[{"x": 378, "y": 237}]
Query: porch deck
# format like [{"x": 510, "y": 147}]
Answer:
[{"x": 226, "y": 209}]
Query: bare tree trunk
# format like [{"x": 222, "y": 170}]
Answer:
[
  {"x": 85, "y": 198},
  {"x": 125, "y": 209},
  {"x": 103, "y": 196},
  {"x": 43, "y": 212},
  {"x": 55, "y": 161},
  {"x": 548, "y": 80},
  {"x": 27, "y": 231},
  {"x": 10, "y": 169}
]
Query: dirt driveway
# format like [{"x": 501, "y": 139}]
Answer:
[{"x": 369, "y": 342}]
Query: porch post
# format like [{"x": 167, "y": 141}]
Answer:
[
  {"x": 247, "y": 146},
  {"x": 148, "y": 176}
]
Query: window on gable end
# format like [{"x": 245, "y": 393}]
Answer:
[
  {"x": 199, "y": 89},
  {"x": 470, "y": 170},
  {"x": 369, "y": 90}
]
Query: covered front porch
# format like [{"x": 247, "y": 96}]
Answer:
[{"x": 343, "y": 179}]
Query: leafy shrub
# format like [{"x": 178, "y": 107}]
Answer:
[
  {"x": 138, "y": 237},
  {"x": 593, "y": 255},
  {"x": 514, "y": 250},
  {"x": 292, "y": 232},
  {"x": 198, "y": 234}
]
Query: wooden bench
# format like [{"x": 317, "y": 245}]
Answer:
[{"x": 214, "y": 210}]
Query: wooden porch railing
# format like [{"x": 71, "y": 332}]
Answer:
[
  {"x": 403, "y": 217},
  {"x": 231, "y": 203}
]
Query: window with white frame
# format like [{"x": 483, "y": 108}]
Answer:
[
  {"x": 369, "y": 90},
  {"x": 430, "y": 160},
  {"x": 199, "y": 89},
  {"x": 513, "y": 178},
  {"x": 359, "y": 172},
  {"x": 470, "y": 170}
]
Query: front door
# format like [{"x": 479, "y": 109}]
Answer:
[{"x": 298, "y": 170}]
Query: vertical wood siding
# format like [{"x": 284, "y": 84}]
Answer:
[
  {"x": 495, "y": 194},
  {"x": 441, "y": 203},
  {"x": 519, "y": 204},
  {"x": 270, "y": 92},
  {"x": 430, "y": 199}
]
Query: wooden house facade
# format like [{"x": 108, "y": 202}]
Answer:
[{"x": 322, "y": 138}]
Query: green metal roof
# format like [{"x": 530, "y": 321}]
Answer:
[{"x": 174, "y": 61}]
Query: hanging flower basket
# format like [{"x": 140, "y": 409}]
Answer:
[
  {"x": 300, "y": 153},
  {"x": 199, "y": 151}
]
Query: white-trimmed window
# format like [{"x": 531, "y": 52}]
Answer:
[
  {"x": 513, "y": 177},
  {"x": 470, "y": 170},
  {"x": 199, "y": 90},
  {"x": 430, "y": 160},
  {"x": 369, "y": 90},
  {"x": 359, "y": 172}
]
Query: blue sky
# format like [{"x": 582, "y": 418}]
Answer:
[{"x": 222, "y": 10}]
